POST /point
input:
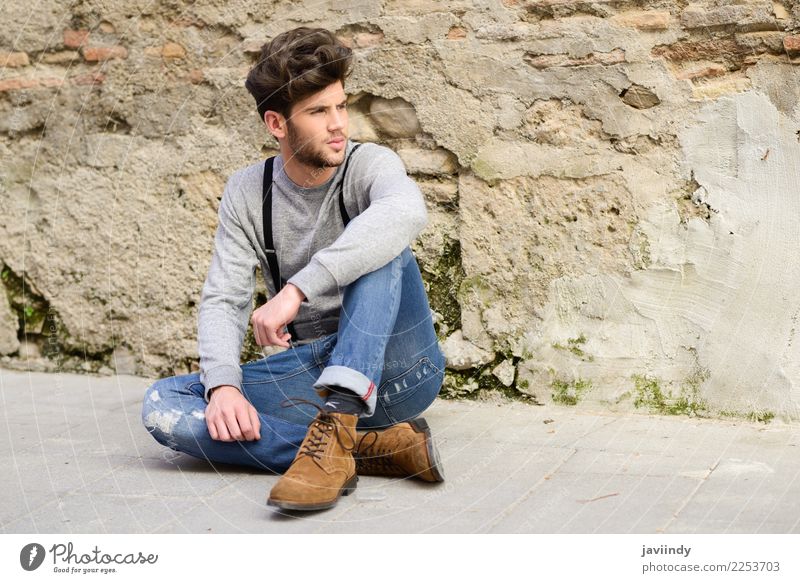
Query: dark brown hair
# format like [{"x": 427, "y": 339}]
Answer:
[{"x": 295, "y": 64}]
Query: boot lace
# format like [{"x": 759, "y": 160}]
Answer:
[
  {"x": 320, "y": 431},
  {"x": 370, "y": 458}
]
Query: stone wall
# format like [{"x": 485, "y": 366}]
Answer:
[{"x": 612, "y": 185}]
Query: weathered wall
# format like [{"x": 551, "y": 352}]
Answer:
[{"x": 612, "y": 185}]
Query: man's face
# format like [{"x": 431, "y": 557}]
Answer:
[{"x": 317, "y": 128}]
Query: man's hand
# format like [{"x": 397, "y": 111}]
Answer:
[
  {"x": 231, "y": 417},
  {"x": 269, "y": 320}
]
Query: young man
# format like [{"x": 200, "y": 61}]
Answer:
[{"x": 330, "y": 223}]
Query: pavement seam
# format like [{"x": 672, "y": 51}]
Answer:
[
  {"x": 739, "y": 430},
  {"x": 783, "y": 451},
  {"x": 691, "y": 494},
  {"x": 683, "y": 503},
  {"x": 510, "y": 509}
]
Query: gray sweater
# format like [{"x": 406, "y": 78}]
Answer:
[{"x": 314, "y": 251}]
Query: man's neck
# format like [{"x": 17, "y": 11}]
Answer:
[{"x": 306, "y": 176}]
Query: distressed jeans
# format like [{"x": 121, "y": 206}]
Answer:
[{"x": 385, "y": 333}]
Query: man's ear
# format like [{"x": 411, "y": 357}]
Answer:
[{"x": 276, "y": 124}]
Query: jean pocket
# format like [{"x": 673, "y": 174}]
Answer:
[{"x": 408, "y": 394}]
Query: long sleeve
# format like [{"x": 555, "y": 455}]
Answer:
[
  {"x": 395, "y": 216},
  {"x": 226, "y": 299}
]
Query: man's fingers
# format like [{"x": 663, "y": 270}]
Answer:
[
  {"x": 274, "y": 339},
  {"x": 256, "y": 333},
  {"x": 283, "y": 337},
  {"x": 232, "y": 424},
  {"x": 265, "y": 335},
  {"x": 255, "y": 422},
  {"x": 271, "y": 338},
  {"x": 212, "y": 429},
  {"x": 222, "y": 431},
  {"x": 245, "y": 424},
  {"x": 236, "y": 423}
]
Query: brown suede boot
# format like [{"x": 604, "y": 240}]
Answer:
[
  {"x": 323, "y": 469},
  {"x": 403, "y": 450}
]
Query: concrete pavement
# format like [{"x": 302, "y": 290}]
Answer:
[{"x": 77, "y": 459}]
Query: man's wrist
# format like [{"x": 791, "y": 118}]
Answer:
[
  {"x": 296, "y": 291},
  {"x": 213, "y": 389}
]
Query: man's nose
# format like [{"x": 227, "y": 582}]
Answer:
[{"x": 336, "y": 121}]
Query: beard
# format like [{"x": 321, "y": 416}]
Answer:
[{"x": 305, "y": 152}]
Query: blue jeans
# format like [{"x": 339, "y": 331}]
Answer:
[{"x": 385, "y": 333}]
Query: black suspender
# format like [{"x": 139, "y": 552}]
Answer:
[
  {"x": 269, "y": 246},
  {"x": 342, "y": 209},
  {"x": 266, "y": 198}
]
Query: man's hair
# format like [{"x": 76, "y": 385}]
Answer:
[{"x": 295, "y": 64}]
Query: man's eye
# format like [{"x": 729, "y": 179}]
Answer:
[{"x": 343, "y": 106}]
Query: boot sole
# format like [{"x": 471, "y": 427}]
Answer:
[
  {"x": 421, "y": 426},
  {"x": 348, "y": 487}
]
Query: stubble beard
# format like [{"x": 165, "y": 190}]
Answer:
[{"x": 304, "y": 152}]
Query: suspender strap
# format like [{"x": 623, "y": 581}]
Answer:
[
  {"x": 342, "y": 209},
  {"x": 266, "y": 199},
  {"x": 269, "y": 245}
]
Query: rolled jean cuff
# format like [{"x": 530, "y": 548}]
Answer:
[{"x": 352, "y": 380}]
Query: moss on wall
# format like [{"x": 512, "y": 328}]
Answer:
[
  {"x": 569, "y": 392},
  {"x": 443, "y": 281},
  {"x": 654, "y": 394},
  {"x": 754, "y": 416},
  {"x": 575, "y": 346},
  {"x": 41, "y": 326}
]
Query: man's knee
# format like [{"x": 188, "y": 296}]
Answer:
[
  {"x": 152, "y": 413},
  {"x": 398, "y": 263},
  {"x": 159, "y": 415},
  {"x": 175, "y": 428},
  {"x": 403, "y": 258}
]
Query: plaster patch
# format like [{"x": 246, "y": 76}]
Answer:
[
  {"x": 155, "y": 397},
  {"x": 163, "y": 420},
  {"x": 716, "y": 295},
  {"x": 736, "y": 466},
  {"x": 198, "y": 415}
]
